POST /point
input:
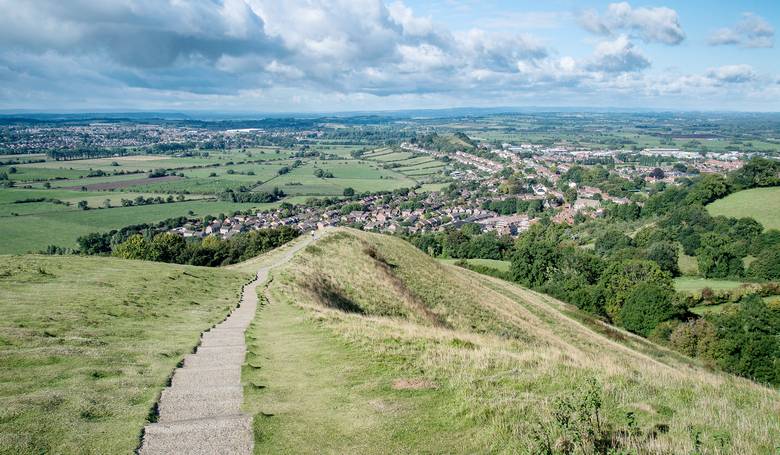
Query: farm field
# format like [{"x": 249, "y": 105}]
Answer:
[
  {"x": 87, "y": 345},
  {"x": 95, "y": 199},
  {"x": 414, "y": 167},
  {"x": 762, "y": 204},
  {"x": 357, "y": 174},
  {"x": 34, "y": 232}
]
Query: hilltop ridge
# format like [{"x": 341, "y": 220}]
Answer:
[{"x": 496, "y": 360}]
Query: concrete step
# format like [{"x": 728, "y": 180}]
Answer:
[
  {"x": 220, "y": 435},
  {"x": 222, "y": 342},
  {"x": 206, "y": 377},
  {"x": 183, "y": 404},
  {"x": 216, "y": 351},
  {"x": 213, "y": 361},
  {"x": 238, "y": 338}
]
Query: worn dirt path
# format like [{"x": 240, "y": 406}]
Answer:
[{"x": 200, "y": 412}]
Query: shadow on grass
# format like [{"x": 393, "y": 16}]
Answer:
[{"x": 330, "y": 295}]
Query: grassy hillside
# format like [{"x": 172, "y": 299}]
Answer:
[
  {"x": 762, "y": 204},
  {"x": 87, "y": 344},
  {"x": 368, "y": 345}
]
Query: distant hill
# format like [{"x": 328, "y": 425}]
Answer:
[{"x": 476, "y": 364}]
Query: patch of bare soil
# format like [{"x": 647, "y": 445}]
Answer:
[{"x": 414, "y": 384}]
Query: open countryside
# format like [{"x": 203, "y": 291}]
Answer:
[{"x": 389, "y": 227}]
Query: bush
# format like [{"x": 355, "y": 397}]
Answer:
[
  {"x": 665, "y": 254},
  {"x": 767, "y": 265},
  {"x": 646, "y": 307}
]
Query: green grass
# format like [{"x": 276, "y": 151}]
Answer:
[
  {"x": 34, "y": 232},
  {"x": 433, "y": 186},
  {"x": 694, "y": 284},
  {"x": 491, "y": 358},
  {"x": 360, "y": 175},
  {"x": 502, "y": 266},
  {"x": 87, "y": 345},
  {"x": 348, "y": 406},
  {"x": 688, "y": 264},
  {"x": 762, "y": 204}
]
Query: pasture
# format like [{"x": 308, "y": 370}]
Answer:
[
  {"x": 694, "y": 284},
  {"x": 762, "y": 204},
  {"x": 35, "y": 231}
]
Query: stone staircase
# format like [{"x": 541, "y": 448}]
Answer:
[{"x": 200, "y": 413}]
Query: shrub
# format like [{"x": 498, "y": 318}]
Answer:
[
  {"x": 767, "y": 265},
  {"x": 646, "y": 306}
]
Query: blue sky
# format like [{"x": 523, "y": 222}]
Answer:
[{"x": 340, "y": 55}]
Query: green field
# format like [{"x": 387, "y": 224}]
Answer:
[
  {"x": 360, "y": 175},
  {"x": 88, "y": 344},
  {"x": 693, "y": 284},
  {"x": 762, "y": 204},
  {"x": 34, "y": 232}
]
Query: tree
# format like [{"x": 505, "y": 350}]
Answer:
[
  {"x": 747, "y": 343},
  {"x": 665, "y": 254},
  {"x": 708, "y": 188},
  {"x": 611, "y": 241},
  {"x": 657, "y": 173},
  {"x": 167, "y": 247},
  {"x": 319, "y": 173},
  {"x": 349, "y": 191},
  {"x": 646, "y": 306},
  {"x": 717, "y": 258},
  {"x": 767, "y": 264},
  {"x": 107, "y": 203},
  {"x": 536, "y": 256},
  {"x": 135, "y": 247},
  {"x": 94, "y": 243},
  {"x": 621, "y": 277},
  {"x": 83, "y": 205}
]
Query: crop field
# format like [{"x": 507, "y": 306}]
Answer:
[
  {"x": 408, "y": 164},
  {"x": 392, "y": 157},
  {"x": 27, "y": 173},
  {"x": 762, "y": 204},
  {"x": 88, "y": 344}
]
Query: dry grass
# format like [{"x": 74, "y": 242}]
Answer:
[{"x": 501, "y": 354}]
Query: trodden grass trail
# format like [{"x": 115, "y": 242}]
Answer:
[{"x": 311, "y": 392}]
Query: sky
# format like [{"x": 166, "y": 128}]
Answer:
[{"x": 363, "y": 55}]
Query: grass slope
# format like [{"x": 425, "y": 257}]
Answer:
[
  {"x": 87, "y": 345},
  {"x": 762, "y": 204},
  {"x": 428, "y": 357}
]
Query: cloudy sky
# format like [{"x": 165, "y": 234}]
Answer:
[{"x": 341, "y": 55}]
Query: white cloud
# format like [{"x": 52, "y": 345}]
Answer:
[
  {"x": 752, "y": 31},
  {"x": 327, "y": 53},
  {"x": 617, "y": 56},
  {"x": 658, "y": 24},
  {"x": 732, "y": 74}
]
